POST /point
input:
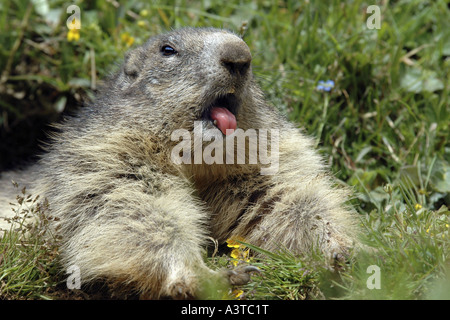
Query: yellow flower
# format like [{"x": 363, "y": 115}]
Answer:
[
  {"x": 234, "y": 242},
  {"x": 235, "y": 253},
  {"x": 129, "y": 40},
  {"x": 73, "y": 35},
  {"x": 237, "y": 294},
  {"x": 141, "y": 23},
  {"x": 417, "y": 206},
  {"x": 240, "y": 252},
  {"x": 245, "y": 255},
  {"x": 143, "y": 13}
]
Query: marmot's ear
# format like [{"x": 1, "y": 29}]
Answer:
[{"x": 134, "y": 61}]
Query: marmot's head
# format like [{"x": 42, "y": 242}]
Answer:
[{"x": 188, "y": 75}]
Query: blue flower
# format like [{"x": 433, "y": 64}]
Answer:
[{"x": 325, "y": 85}]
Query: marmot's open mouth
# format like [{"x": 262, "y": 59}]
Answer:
[{"x": 222, "y": 113}]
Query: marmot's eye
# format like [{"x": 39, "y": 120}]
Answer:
[{"x": 168, "y": 50}]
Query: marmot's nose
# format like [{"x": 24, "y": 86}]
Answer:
[{"x": 235, "y": 57}]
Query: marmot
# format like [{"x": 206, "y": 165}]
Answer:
[{"x": 132, "y": 214}]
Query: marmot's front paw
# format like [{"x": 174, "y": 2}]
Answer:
[
  {"x": 241, "y": 275},
  {"x": 180, "y": 288},
  {"x": 181, "y": 291},
  {"x": 339, "y": 256}
]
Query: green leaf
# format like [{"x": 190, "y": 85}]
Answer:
[
  {"x": 440, "y": 176},
  {"x": 417, "y": 80}
]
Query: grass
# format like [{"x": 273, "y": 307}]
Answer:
[
  {"x": 28, "y": 252},
  {"x": 383, "y": 128}
]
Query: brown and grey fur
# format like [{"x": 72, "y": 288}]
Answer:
[{"x": 129, "y": 215}]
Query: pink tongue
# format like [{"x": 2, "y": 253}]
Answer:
[{"x": 225, "y": 119}]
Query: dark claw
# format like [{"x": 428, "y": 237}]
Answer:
[{"x": 241, "y": 275}]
